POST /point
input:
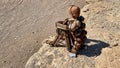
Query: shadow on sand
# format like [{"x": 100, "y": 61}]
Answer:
[{"x": 93, "y": 49}]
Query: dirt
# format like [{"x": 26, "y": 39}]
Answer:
[{"x": 24, "y": 24}]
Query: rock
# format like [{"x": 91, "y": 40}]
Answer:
[
  {"x": 102, "y": 20},
  {"x": 110, "y": 58},
  {"x": 57, "y": 57}
]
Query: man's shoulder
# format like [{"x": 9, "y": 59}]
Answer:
[{"x": 81, "y": 18}]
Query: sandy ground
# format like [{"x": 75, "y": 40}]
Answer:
[{"x": 24, "y": 24}]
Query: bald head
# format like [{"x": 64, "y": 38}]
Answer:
[{"x": 74, "y": 11}]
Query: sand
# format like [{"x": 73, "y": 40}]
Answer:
[{"x": 24, "y": 24}]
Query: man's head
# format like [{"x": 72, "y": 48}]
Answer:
[{"x": 74, "y": 11}]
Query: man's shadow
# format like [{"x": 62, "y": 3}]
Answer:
[
  {"x": 93, "y": 48},
  {"x": 90, "y": 48}
]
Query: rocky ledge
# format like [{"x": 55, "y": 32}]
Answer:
[{"x": 102, "y": 46}]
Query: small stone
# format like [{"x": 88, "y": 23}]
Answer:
[
  {"x": 50, "y": 59},
  {"x": 4, "y": 61},
  {"x": 86, "y": 10},
  {"x": 36, "y": 41},
  {"x": 33, "y": 32},
  {"x": 102, "y": 27},
  {"x": 87, "y": 2},
  {"x": 115, "y": 44}
]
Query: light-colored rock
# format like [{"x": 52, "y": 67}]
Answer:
[
  {"x": 57, "y": 57},
  {"x": 103, "y": 18},
  {"x": 110, "y": 58},
  {"x": 103, "y": 21},
  {"x": 103, "y": 25}
]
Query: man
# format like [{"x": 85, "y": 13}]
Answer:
[
  {"x": 76, "y": 34},
  {"x": 77, "y": 28}
]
